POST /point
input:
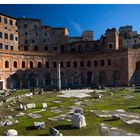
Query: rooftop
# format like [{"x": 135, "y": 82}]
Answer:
[
  {"x": 28, "y": 19},
  {"x": 7, "y": 16}
]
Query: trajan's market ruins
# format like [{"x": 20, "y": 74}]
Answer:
[{"x": 31, "y": 54}]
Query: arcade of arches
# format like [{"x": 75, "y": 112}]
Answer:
[{"x": 28, "y": 79}]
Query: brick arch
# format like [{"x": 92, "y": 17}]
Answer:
[
  {"x": 15, "y": 80},
  {"x": 31, "y": 64},
  {"x": 39, "y": 64},
  {"x": 32, "y": 80},
  {"x": 47, "y": 77},
  {"x": 23, "y": 64},
  {"x": 7, "y": 64},
  {"x": 15, "y": 64}
]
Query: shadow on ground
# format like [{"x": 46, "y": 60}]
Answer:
[
  {"x": 107, "y": 120},
  {"x": 29, "y": 128},
  {"x": 65, "y": 127},
  {"x": 137, "y": 107},
  {"x": 43, "y": 135}
]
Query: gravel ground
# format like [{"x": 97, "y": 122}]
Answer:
[{"x": 75, "y": 93}]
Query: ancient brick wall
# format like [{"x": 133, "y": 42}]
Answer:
[{"x": 9, "y": 33}]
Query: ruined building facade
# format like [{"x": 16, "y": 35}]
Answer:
[{"x": 30, "y": 53}]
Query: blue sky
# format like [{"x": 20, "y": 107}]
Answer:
[{"x": 79, "y": 17}]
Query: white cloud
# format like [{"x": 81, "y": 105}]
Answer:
[{"x": 75, "y": 24}]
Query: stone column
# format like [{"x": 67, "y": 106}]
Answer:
[
  {"x": 37, "y": 82},
  {"x": 10, "y": 82},
  {"x": 58, "y": 77},
  {"x": 66, "y": 82},
  {"x": 79, "y": 80},
  {"x": 28, "y": 83},
  {"x": 51, "y": 82},
  {"x": 72, "y": 80},
  {"x": 20, "y": 84},
  {"x": 44, "y": 82}
]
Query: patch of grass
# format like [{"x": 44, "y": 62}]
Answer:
[{"x": 108, "y": 102}]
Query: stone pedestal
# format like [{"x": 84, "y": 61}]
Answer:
[{"x": 78, "y": 120}]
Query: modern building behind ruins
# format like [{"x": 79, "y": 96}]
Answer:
[
  {"x": 128, "y": 37},
  {"x": 30, "y": 53}
]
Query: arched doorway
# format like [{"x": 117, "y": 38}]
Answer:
[
  {"x": 102, "y": 77},
  {"x": 75, "y": 79},
  {"x": 15, "y": 81},
  {"x": 32, "y": 80},
  {"x": 62, "y": 79},
  {"x": 47, "y": 78},
  {"x": 89, "y": 77},
  {"x": 116, "y": 77},
  {"x": 82, "y": 78}
]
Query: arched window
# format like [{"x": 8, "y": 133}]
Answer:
[
  {"x": 61, "y": 64},
  {"x": 6, "y": 64},
  {"x": 95, "y": 63},
  {"x": 47, "y": 64},
  {"x": 75, "y": 64},
  {"x": 31, "y": 64},
  {"x": 109, "y": 62},
  {"x": 82, "y": 63},
  {"x": 23, "y": 64},
  {"x": 54, "y": 64},
  {"x": 39, "y": 64},
  {"x": 11, "y": 37},
  {"x": 15, "y": 64},
  {"x": 0, "y": 34},
  {"x": 11, "y": 22},
  {"x": 89, "y": 77},
  {"x": 88, "y": 63},
  {"x": 68, "y": 64},
  {"x": 102, "y": 63},
  {"x": 6, "y": 36}
]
